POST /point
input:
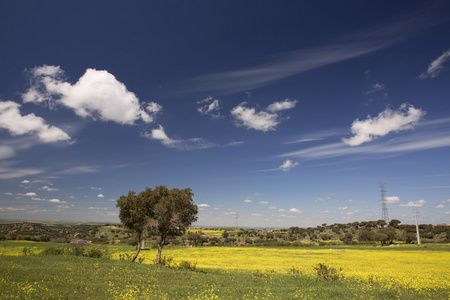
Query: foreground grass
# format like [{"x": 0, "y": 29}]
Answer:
[
  {"x": 69, "y": 277},
  {"x": 225, "y": 273}
]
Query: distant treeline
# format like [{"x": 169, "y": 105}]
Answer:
[{"x": 375, "y": 232}]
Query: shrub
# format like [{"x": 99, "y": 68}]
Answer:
[
  {"x": 328, "y": 273},
  {"x": 184, "y": 264},
  {"x": 295, "y": 271}
]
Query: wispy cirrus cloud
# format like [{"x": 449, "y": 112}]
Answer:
[
  {"x": 284, "y": 65},
  {"x": 436, "y": 66},
  {"x": 429, "y": 134}
]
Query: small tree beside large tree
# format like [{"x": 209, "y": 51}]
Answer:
[{"x": 159, "y": 211}]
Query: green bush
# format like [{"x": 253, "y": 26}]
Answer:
[{"x": 328, "y": 273}]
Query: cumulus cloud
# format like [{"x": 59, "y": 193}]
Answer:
[
  {"x": 294, "y": 210},
  {"x": 417, "y": 203},
  {"x": 343, "y": 208},
  {"x": 248, "y": 201},
  {"x": 100, "y": 196},
  {"x": 257, "y": 215},
  {"x": 262, "y": 120},
  {"x": 282, "y": 105},
  {"x": 445, "y": 201},
  {"x": 29, "y": 194},
  {"x": 96, "y": 94},
  {"x": 436, "y": 66},
  {"x": 209, "y": 106},
  {"x": 406, "y": 117},
  {"x": 287, "y": 165},
  {"x": 12, "y": 120},
  {"x": 48, "y": 189},
  {"x": 440, "y": 206},
  {"x": 179, "y": 144},
  {"x": 203, "y": 205},
  {"x": 55, "y": 201},
  {"x": 263, "y": 202},
  {"x": 393, "y": 199}
]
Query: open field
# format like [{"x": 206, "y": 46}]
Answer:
[{"x": 405, "y": 272}]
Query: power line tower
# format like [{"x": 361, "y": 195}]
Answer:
[
  {"x": 237, "y": 220},
  {"x": 384, "y": 210}
]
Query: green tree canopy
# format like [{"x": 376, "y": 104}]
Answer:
[{"x": 160, "y": 211}]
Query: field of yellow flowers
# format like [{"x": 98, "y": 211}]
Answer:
[
  {"x": 420, "y": 269},
  {"x": 403, "y": 272}
]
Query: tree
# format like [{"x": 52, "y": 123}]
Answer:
[
  {"x": 160, "y": 211},
  {"x": 394, "y": 223},
  {"x": 133, "y": 214}
]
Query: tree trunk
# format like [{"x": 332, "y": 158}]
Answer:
[
  {"x": 138, "y": 248},
  {"x": 161, "y": 244}
]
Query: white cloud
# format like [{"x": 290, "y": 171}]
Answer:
[
  {"x": 100, "y": 196},
  {"x": 445, "y": 201},
  {"x": 272, "y": 207},
  {"x": 436, "y": 66},
  {"x": 262, "y": 120},
  {"x": 97, "y": 208},
  {"x": 343, "y": 208},
  {"x": 393, "y": 199},
  {"x": 323, "y": 199},
  {"x": 209, "y": 106},
  {"x": 29, "y": 194},
  {"x": 78, "y": 170},
  {"x": 440, "y": 206},
  {"x": 96, "y": 188},
  {"x": 251, "y": 119},
  {"x": 282, "y": 105},
  {"x": 447, "y": 213},
  {"x": 10, "y": 208},
  {"x": 25, "y": 181},
  {"x": 325, "y": 212},
  {"x": 356, "y": 201},
  {"x": 296, "y": 211},
  {"x": 287, "y": 165},
  {"x": 257, "y": 215},
  {"x": 189, "y": 144},
  {"x": 203, "y": 205},
  {"x": 54, "y": 201},
  {"x": 387, "y": 121},
  {"x": 48, "y": 189},
  {"x": 417, "y": 203},
  {"x": 263, "y": 202},
  {"x": 16, "y": 124},
  {"x": 97, "y": 94},
  {"x": 247, "y": 201},
  {"x": 8, "y": 194},
  {"x": 154, "y": 107},
  {"x": 230, "y": 213}
]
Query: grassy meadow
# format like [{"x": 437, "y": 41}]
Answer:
[{"x": 404, "y": 272}]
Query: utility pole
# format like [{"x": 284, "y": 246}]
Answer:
[
  {"x": 384, "y": 210},
  {"x": 417, "y": 228}
]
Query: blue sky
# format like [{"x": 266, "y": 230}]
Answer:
[{"x": 284, "y": 113}]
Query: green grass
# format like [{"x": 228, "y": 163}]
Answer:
[{"x": 72, "y": 277}]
